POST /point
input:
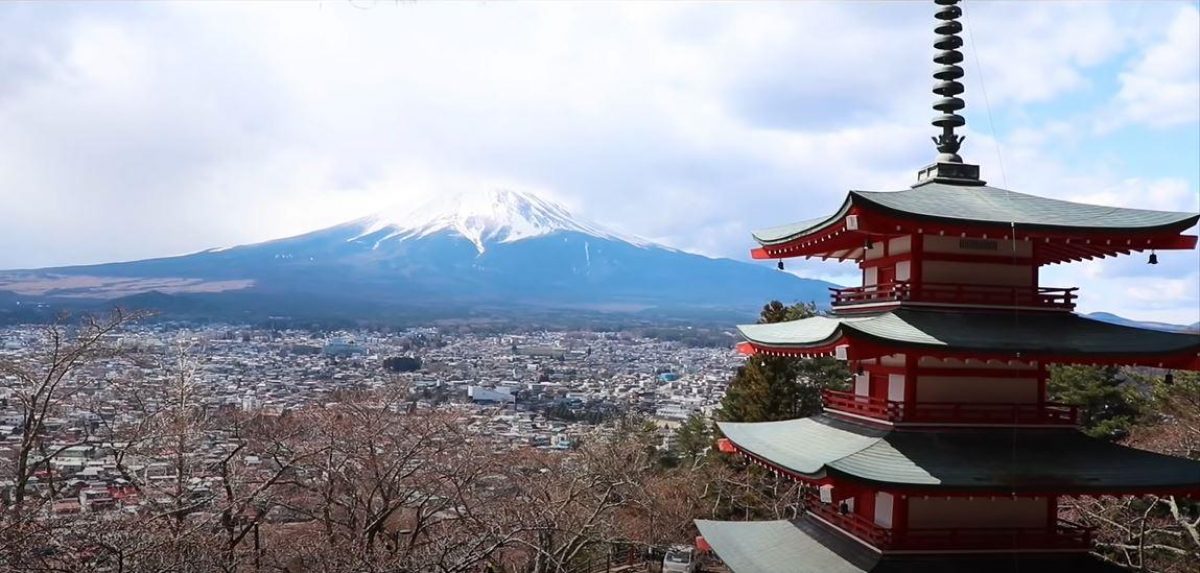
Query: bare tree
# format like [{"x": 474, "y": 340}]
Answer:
[
  {"x": 44, "y": 383},
  {"x": 1159, "y": 534}
]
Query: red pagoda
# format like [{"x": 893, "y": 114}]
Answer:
[{"x": 947, "y": 455}]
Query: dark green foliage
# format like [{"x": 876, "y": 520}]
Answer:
[
  {"x": 774, "y": 388},
  {"x": 693, "y": 438},
  {"x": 1109, "y": 402},
  {"x": 402, "y": 363}
]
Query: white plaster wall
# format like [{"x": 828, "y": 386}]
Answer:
[
  {"x": 892, "y": 360},
  {"x": 976, "y": 389},
  {"x": 978, "y": 512},
  {"x": 896, "y": 387},
  {"x": 870, "y": 276},
  {"x": 900, "y": 245},
  {"x": 884, "y": 507},
  {"x": 904, "y": 270},
  {"x": 862, "y": 384},
  {"x": 875, "y": 253}
]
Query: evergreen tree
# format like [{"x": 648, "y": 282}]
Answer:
[
  {"x": 771, "y": 388},
  {"x": 1108, "y": 404},
  {"x": 693, "y": 438}
]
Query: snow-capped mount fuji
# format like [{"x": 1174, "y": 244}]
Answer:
[
  {"x": 469, "y": 254},
  {"x": 497, "y": 216}
]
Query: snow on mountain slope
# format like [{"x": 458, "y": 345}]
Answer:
[{"x": 496, "y": 216}]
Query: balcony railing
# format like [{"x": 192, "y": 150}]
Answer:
[
  {"x": 1063, "y": 535},
  {"x": 1048, "y": 413},
  {"x": 955, "y": 293}
]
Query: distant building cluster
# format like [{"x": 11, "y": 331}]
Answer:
[{"x": 547, "y": 390}]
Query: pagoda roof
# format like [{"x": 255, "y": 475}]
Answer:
[
  {"x": 982, "y": 205},
  {"x": 1017, "y": 460},
  {"x": 803, "y": 546},
  {"x": 988, "y": 333}
]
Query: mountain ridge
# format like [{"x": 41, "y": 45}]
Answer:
[{"x": 499, "y": 249}]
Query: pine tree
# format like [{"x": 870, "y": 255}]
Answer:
[
  {"x": 693, "y": 438},
  {"x": 772, "y": 388},
  {"x": 1108, "y": 404}
]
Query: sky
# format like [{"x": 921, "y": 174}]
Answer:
[{"x": 142, "y": 129}]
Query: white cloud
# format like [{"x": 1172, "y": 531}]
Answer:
[
  {"x": 1162, "y": 87},
  {"x": 138, "y": 130}
]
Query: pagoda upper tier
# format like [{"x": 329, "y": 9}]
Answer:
[{"x": 1058, "y": 231}]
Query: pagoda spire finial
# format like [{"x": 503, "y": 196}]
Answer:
[
  {"x": 948, "y": 167},
  {"x": 947, "y": 85}
]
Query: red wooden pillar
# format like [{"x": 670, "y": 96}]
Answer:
[
  {"x": 900, "y": 513},
  {"x": 910, "y": 382},
  {"x": 865, "y": 506},
  {"x": 1033, "y": 265},
  {"x": 1051, "y": 512},
  {"x": 915, "y": 270},
  {"x": 1043, "y": 373}
]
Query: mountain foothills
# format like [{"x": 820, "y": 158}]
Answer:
[{"x": 497, "y": 252}]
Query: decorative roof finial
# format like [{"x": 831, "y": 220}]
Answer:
[
  {"x": 947, "y": 75},
  {"x": 948, "y": 167}
]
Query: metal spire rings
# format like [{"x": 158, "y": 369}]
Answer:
[{"x": 947, "y": 85}]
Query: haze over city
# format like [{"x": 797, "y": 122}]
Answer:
[{"x": 149, "y": 129}]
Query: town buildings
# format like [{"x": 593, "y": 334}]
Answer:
[{"x": 559, "y": 388}]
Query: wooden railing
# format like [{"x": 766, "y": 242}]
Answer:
[
  {"x": 957, "y": 293},
  {"x": 1063, "y": 535},
  {"x": 863, "y": 405},
  {"x": 1048, "y": 413}
]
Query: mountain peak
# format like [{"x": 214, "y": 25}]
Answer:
[{"x": 492, "y": 216}]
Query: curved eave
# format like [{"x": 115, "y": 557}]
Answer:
[
  {"x": 833, "y": 237},
  {"x": 788, "y": 233},
  {"x": 1169, "y": 222},
  {"x": 779, "y": 547},
  {"x": 837, "y": 237},
  {"x": 1063, "y": 338},
  {"x": 807, "y": 546},
  {"x": 1030, "y": 462}
]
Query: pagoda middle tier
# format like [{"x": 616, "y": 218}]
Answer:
[{"x": 929, "y": 366}]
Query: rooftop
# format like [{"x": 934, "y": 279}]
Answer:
[
  {"x": 1028, "y": 460},
  {"x": 984, "y": 332},
  {"x": 804, "y": 546},
  {"x": 983, "y": 205}
]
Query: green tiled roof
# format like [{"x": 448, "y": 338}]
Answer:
[
  {"x": 784, "y": 233},
  {"x": 990, "y": 205},
  {"x": 806, "y": 444},
  {"x": 993, "y": 458},
  {"x": 771, "y": 547},
  {"x": 804, "y": 546},
  {"x": 1033, "y": 332}
]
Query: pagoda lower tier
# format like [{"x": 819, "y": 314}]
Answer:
[
  {"x": 900, "y": 491},
  {"x": 808, "y": 545}
]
